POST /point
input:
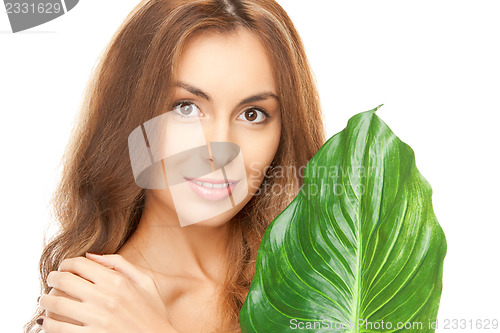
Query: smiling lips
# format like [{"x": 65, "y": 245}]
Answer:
[{"x": 211, "y": 188}]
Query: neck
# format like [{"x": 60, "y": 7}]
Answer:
[{"x": 194, "y": 251}]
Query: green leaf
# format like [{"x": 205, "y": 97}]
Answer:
[{"x": 359, "y": 246}]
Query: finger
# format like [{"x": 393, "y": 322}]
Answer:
[
  {"x": 120, "y": 264},
  {"x": 57, "y": 292},
  {"x": 71, "y": 284},
  {"x": 50, "y": 325},
  {"x": 87, "y": 269},
  {"x": 67, "y": 308}
]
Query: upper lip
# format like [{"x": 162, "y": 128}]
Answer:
[{"x": 212, "y": 180}]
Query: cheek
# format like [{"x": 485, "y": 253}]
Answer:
[{"x": 258, "y": 154}]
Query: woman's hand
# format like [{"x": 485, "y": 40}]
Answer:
[
  {"x": 102, "y": 294},
  {"x": 57, "y": 292}
]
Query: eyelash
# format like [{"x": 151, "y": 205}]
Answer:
[{"x": 268, "y": 117}]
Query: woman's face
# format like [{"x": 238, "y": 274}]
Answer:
[{"x": 223, "y": 129}]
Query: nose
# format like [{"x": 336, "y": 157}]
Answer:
[
  {"x": 221, "y": 149},
  {"x": 223, "y": 153}
]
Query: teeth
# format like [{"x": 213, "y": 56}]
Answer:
[{"x": 210, "y": 185}]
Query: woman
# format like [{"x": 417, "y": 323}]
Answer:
[{"x": 201, "y": 60}]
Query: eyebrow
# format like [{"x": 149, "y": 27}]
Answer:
[{"x": 200, "y": 93}]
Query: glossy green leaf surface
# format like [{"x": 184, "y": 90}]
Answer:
[{"x": 359, "y": 249}]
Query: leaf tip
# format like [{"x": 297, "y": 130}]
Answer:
[{"x": 378, "y": 107}]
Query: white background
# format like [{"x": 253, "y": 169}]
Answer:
[{"x": 433, "y": 64}]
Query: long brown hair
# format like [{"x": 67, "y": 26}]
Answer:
[{"x": 97, "y": 203}]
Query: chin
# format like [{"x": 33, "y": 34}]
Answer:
[
  {"x": 214, "y": 222},
  {"x": 222, "y": 219}
]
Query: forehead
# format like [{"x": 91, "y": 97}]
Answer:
[{"x": 237, "y": 59}]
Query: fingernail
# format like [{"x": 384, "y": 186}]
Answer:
[
  {"x": 39, "y": 321},
  {"x": 38, "y": 299}
]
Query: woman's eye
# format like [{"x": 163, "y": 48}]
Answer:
[
  {"x": 254, "y": 116},
  {"x": 187, "y": 109}
]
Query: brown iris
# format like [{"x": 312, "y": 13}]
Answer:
[
  {"x": 250, "y": 115},
  {"x": 186, "y": 108}
]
